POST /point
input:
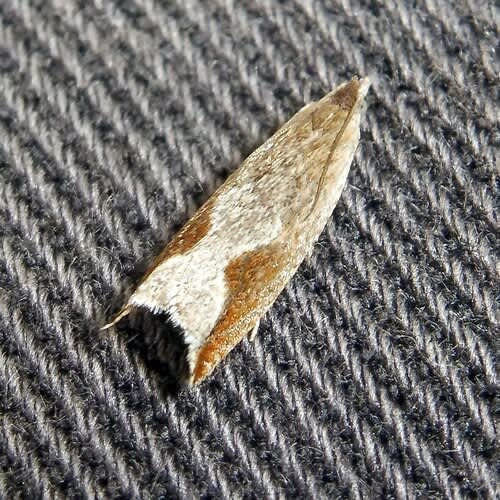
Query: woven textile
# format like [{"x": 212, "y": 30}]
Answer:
[{"x": 373, "y": 376}]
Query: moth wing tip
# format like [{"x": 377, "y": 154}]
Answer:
[
  {"x": 364, "y": 85},
  {"x": 198, "y": 369},
  {"x": 192, "y": 379}
]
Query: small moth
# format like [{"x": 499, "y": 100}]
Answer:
[{"x": 224, "y": 269}]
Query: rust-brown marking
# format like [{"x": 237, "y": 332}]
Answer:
[
  {"x": 346, "y": 97},
  {"x": 249, "y": 278},
  {"x": 194, "y": 230}
]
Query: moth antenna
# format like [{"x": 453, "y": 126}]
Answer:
[
  {"x": 124, "y": 312},
  {"x": 335, "y": 142}
]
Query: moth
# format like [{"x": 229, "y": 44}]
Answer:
[{"x": 224, "y": 269}]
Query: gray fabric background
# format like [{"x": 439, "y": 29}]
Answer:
[{"x": 373, "y": 376}]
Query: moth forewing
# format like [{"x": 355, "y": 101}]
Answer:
[{"x": 225, "y": 268}]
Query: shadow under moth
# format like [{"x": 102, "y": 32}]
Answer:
[{"x": 224, "y": 269}]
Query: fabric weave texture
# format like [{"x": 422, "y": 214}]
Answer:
[{"x": 373, "y": 376}]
